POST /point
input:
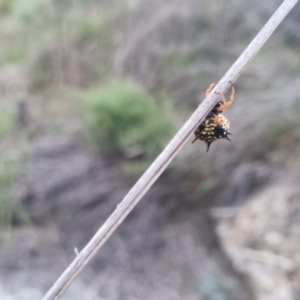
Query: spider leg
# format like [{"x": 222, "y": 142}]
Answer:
[
  {"x": 195, "y": 139},
  {"x": 208, "y": 145},
  {"x": 226, "y": 104},
  {"x": 208, "y": 90}
]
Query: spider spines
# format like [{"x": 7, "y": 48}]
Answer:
[
  {"x": 208, "y": 145},
  {"x": 196, "y": 138}
]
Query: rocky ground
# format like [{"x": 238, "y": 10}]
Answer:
[
  {"x": 157, "y": 253},
  {"x": 262, "y": 237},
  {"x": 239, "y": 242}
]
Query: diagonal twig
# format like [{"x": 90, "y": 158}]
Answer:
[{"x": 167, "y": 155}]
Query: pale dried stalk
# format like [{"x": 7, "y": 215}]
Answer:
[{"x": 162, "y": 161}]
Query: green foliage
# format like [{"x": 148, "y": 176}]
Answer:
[
  {"x": 15, "y": 55},
  {"x": 10, "y": 210},
  {"x": 26, "y": 10},
  {"x": 6, "y": 121},
  {"x": 93, "y": 29},
  {"x": 123, "y": 116},
  {"x": 5, "y": 6}
]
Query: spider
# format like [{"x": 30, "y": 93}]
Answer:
[{"x": 215, "y": 126}]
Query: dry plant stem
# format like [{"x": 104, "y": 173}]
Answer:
[{"x": 162, "y": 161}]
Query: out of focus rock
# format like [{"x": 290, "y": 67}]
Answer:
[{"x": 262, "y": 239}]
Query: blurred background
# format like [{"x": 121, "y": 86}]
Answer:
[{"x": 90, "y": 93}]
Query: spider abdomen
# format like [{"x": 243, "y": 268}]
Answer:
[
  {"x": 215, "y": 126},
  {"x": 212, "y": 129}
]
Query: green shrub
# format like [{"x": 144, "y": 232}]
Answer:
[
  {"x": 122, "y": 117},
  {"x": 6, "y": 121},
  {"x": 25, "y": 10}
]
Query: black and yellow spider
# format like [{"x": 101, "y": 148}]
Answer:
[{"x": 215, "y": 126}]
